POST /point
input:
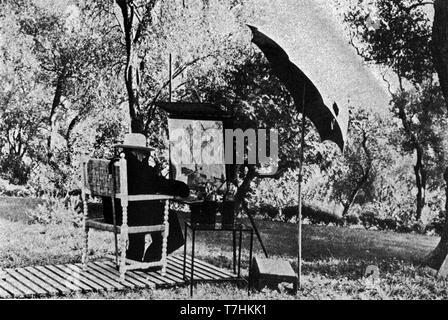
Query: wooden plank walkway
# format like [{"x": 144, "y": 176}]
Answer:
[{"x": 51, "y": 280}]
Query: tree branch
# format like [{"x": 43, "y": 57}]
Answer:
[
  {"x": 420, "y": 4},
  {"x": 389, "y": 86}
]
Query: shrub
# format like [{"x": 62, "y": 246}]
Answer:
[
  {"x": 368, "y": 219},
  {"x": 352, "y": 219},
  {"x": 11, "y": 190},
  {"x": 57, "y": 180},
  {"x": 269, "y": 211},
  {"x": 14, "y": 169},
  {"x": 386, "y": 223},
  {"x": 419, "y": 227},
  {"x": 404, "y": 222},
  {"x": 314, "y": 214},
  {"x": 437, "y": 224},
  {"x": 55, "y": 210}
]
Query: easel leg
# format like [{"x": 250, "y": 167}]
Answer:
[
  {"x": 185, "y": 252},
  {"x": 250, "y": 261},
  {"x": 192, "y": 262},
  {"x": 239, "y": 251},
  {"x": 254, "y": 226},
  {"x": 234, "y": 250}
]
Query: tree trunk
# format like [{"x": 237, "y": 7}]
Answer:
[
  {"x": 56, "y": 102},
  {"x": 71, "y": 126},
  {"x": 440, "y": 44},
  {"x": 136, "y": 122},
  {"x": 365, "y": 176},
  {"x": 136, "y": 19},
  {"x": 420, "y": 180},
  {"x": 440, "y": 58},
  {"x": 244, "y": 187},
  {"x": 419, "y": 171},
  {"x": 359, "y": 184},
  {"x": 438, "y": 255},
  {"x": 130, "y": 74},
  {"x": 348, "y": 204}
]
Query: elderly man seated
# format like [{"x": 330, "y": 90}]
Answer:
[{"x": 144, "y": 178}]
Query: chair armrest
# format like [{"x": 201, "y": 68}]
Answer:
[
  {"x": 143, "y": 197},
  {"x": 99, "y": 224}
]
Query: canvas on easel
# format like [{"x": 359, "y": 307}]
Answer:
[{"x": 197, "y": 152}]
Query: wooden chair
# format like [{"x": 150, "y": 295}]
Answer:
[{"x": 98, "y": 181}]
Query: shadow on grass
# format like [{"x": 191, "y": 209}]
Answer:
[
  {"x": 320, "y": 243},
  {"x": 325, "y": 242},
  {"x": 335, "y": 258}
]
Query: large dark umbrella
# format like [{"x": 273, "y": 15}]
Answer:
[{"x": 309, "y": 102}]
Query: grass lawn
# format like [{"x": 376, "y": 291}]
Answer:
[{"x": 334, "y": 258}]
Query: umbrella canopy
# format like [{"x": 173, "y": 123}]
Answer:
[{"x": 326, "y": 120}]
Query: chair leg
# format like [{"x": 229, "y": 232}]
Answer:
[
  {"x": 165, "y": 238},
  {"x": 85, "y": 253},
  {"x": 123, "y": 243}
]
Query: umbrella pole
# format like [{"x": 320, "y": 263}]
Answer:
[
  {"x": 299, "y": 212},
  {"x": 171, "y": 79}
]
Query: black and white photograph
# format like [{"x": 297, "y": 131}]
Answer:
[{"x": 224, "y": 154}]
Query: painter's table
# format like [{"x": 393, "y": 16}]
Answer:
[{"x": 235, "y": 229}]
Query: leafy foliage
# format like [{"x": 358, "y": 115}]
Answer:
[
  {"x": 365, "y": 157},
  {"x": 424, "y": 125},
  {"x": 395, "y": 34}
]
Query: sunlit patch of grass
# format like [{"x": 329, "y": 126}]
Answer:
[
  {"x": 23, "y": 245},
  {"x": 335, "y": 260},
  {"x": 14, "y": 208}
]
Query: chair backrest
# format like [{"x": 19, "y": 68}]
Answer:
[{"x": 97, "y": 180}]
